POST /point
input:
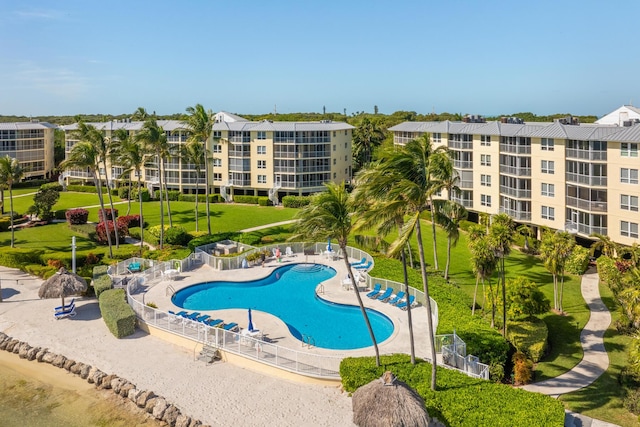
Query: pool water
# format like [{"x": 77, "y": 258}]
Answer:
[{"x": 289, "y": 293}]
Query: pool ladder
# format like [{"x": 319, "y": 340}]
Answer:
[
  {"x": 308, "y": 341},
  {"x": 170, "y": 290}
]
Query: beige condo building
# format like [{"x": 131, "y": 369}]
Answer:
[
  {"x": 32, "y": 144},
  {"x": 582, "y": 178}
]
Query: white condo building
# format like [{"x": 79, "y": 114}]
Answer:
[{"x": 32, "y": 144}]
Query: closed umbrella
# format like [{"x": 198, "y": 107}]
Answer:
[
  {"x": 250, "y": 327},
  {"x": 62, "y": 284},
  {"x": 329, "y": 248}
]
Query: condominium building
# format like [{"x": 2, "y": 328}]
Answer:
[
  {"x": 262, "y": 158},
  {"x": 582, "y": 178},
  {"x": 32, "y": 144}
]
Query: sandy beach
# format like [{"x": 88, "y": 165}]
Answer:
[{"x": 218, "y": 394}]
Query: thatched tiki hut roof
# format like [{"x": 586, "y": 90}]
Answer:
[
  {"x": 388, "y": 402},
  {"x": 62, "y": 284}
]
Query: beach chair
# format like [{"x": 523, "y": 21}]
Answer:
[
  {"x": 203, "y": 318},
  {"x": 364, "y": 266},
  {"x": 69, "y": 312},
  {"x": 362, "y": 261},
  {"x": 231, "y": 327},
  {"x": 213, "y": 322},
  {"x": 386, "y": 294},
  {"x": 375, "y": 291},
  {"x": 192, "y": 316},
  {"x": 395, "y": 300},
  {"x": 403, "y": 305},
  {"x": 66, "y": 306},
  {"x": 288, "y": 252},
  {"x": 134, "y": 267}
]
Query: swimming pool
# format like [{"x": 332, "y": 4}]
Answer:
[{"x": 289, "y": 293}]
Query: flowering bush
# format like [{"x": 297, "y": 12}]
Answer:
[
  {"x": 77, "y": 216},
  {"x": 108, "y": 213},
  {"x": 129, "y": 220},
  {"x": 101, "y": 235}
]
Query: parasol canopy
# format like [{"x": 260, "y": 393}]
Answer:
[
  {"x": 62, "y": 284},
  {"x": 250, "y": 326},
  {"x": 389, "y": 402}
]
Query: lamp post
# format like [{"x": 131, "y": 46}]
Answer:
[{"x": 73, "y": 253}]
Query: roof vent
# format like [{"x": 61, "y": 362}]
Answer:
[{"x": 473, "y": 118}]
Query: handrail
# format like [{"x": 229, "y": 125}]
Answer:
[{"x": 170, "y": 290}]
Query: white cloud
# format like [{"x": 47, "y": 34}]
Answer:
[
  {"x": 47, "y": 14},
  {"x": 59, "y": 81}
]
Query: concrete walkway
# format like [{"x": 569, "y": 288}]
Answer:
[{"x": 595, "y": 360}]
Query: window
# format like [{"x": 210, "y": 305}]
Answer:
[
  {"x": 262, "y": 164},
  {"x": 629, "y": 203},
  {"x": 436, "y": 137},
  {"x": 217, "y": 162},
  {"x": 629, "y": 229},
  {"x": 262, "y": 149},
  {"x": 485, "y": 140},
  {"x": 334, "y": 133},
  {"x": 217, "y": 134},
  {"x": 548, "y": 213},
  {"x": 628, "y": 176},
  {"x": 334, "y": 175},
  {"x": 547, "y": 144},
  {"x": 217, "y": 176},
  {"x": 629, "y": 149},
  {"x": 485, "y": 200},
  {"x": 345, "y": 145},
  {"x": 334, "y": 147},
  {"x": 485, "y": 160},
  {"x": 262, "y": 134},
  {"x": 548, "y": 190},
  {"x": 345, "y": 158},
  {"x": 485, "y": 180},
  {"x": 216, "y": 148},
  {"x": 346, "y": 132},
  {"x": 334, "y": 161},
  {"x": 262, "y": 179},
  {"x": 548, "y": 166}
]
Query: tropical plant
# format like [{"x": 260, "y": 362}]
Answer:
[
  {"x": 449, "y": 215},
  {"x": 200, "y": 126},
  {"x": 329, "y": 215},
  {"x": 527, "y": 232},
  {"x": 366, "y": 138},
  {"x": 501, "y": 237},
  {"x": 629, "y": 297},
  {"x": 605, "y": 245},
  {"x": 10, "y": 173},
  {"x": 555, "y": 250},
  {"x": 524, "y": 299},
  {"x": 43, "y": 202},
  {"x": 483, "y": 262}
]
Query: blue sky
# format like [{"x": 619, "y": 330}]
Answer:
[{"x": 476, "y": 57}]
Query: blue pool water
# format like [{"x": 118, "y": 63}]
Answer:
[{"x": 289, "y": 293}]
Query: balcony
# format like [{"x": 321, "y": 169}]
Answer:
[
  {"x": 516, "y": 214},
  {"x": 515, "y": 149},
  {"x": 460, "y": 145},
  {"x": 600, "y": 181},
  {"x": 466, "y": 184},
  {"x": 239, "y": 153},
  {"x": 467, "y": 203},
  {"x": 588, "y": 230},
  {"x": 462, "y": 164},
  {"x": 513, "y": 170},
  {"x": 573, "y": 153},
  {"x": 514, "y": 192},
  {"x": 587, "y": 205}
]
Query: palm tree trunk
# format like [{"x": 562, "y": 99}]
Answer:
[
  {"x": 129, "y": 198},
  {"x": 493, "y": 305},
  {"x": 484, "y": 295},
  {"x": 446, "y": 268},
  {"x": 433, "y": 228},
  {"x": 475, "y": 294},
  {"x": 161, "y": 205},
  {"x": 362, "y": 309},
  {"x": 197, "y": 195},
  {"x": 561, "y": 291},
  {"x": 106, "y": 222},
  {"x": 113, "y": 211},
  {"x": 166, "y": 188},
  {"x": 555, "y": 292},
  {"x": 504, "y": 299},
  {"x": 409, "y": 320},
  {"x": 410, "y": 254},
  {"x": 425, "y": 286},
  {"x": 11, "y": 215},
  {"x": 206, "y": 178},
  {"x": 1, "y": 201},
  {"x": 141, "y": 219}
]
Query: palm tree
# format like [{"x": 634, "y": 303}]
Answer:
[
  {"x": 155, "y": 139},
  {"x": 501, "y": 236},
  {"x": 605, "y": 245},
  {"x": 449, "y": 215},
  {"x": 329, "y": 215},
  {"x": 555, "y": 250},
  {"x": 131, "y": 155},
  {"x": 10, "y": 173},
  {"x": 200, "y": 126},
  {"x": 84, "y": 155},
  {"x": 140, "y": 114},
  {"x": 483, "y": 261},
  {"x": 527, "y": 232},
  {"x": 366, "y": 137},
  {"x": 193, "y": 152}
]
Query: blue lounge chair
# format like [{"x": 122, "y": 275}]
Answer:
[
  {"x": 66, "y": 306},
  {"x": 192, "y": 316},
  {"x": 180, "y": 313},
  {"x": 134, "y": 267},
  {"x": 202, "y": 318},
  {"x": 70, "y": 312},
  {"x": 364, "y": 266},
  {"x": 375, "y": 291},
  {"x": 362, "y": 261},
  {"x": 386, "y": 294},
  {"x": 396, "y": 299},
  {"x": 230, "y": 326},
  {"x": 403, "y": 305},
  {"x": 213, "y": 322}
]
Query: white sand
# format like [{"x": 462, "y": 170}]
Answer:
[{"x": 217, "y": 394}]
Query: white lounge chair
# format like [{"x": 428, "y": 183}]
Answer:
[{"x": 288, "y": 252}]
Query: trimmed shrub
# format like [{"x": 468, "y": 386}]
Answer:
[
  {"x": 251, "y": 200},
  {"x": 632, "y": 401},
  {"x": 101, "y": 234},
  {"x": 264, "y": 201},
  {"x": 295, "y": 201},
  {"x": 85, "y": 189},
  {"x": 107, "y": 213},
  {"x": 578, "y": 261},
  {"x": 608, "y": 272},
  {"x": 177, "y": 235},
  {"x": 101, "y": 280},
  {"x": 16, "y": 258},
  {"x": 51, "y": 186},
  {"x": 117, "y": 314},
  {"x": 522, "y": 369},
  {"x": 30, "y": 183},
  {"x": 40, "y": 270},
  {"x": 215, "y": 198},
  {"x": 529, "y": 337},
  {"x": 77, "y": 216},
  {"x": 123, "y": 192},
  {"x": 129, "y": 221},
  {"x": 145, "y": 194}
]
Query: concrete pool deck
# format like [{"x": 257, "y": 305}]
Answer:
[{"x": 159, "y": 292}]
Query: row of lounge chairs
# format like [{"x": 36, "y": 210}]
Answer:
[
  {"x": 205, "y": 319},
  {"x": 387, "y": 296},
  {"x": 363, "y": 264}
]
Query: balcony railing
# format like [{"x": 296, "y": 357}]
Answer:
[
  {"x": 460, "y": 145},
  {"x": 239, "y": 153},
  {"x": 591, "y": 229},
  {"x": 518, "y": 215},
  {"x": 573, "y": 153},
  {"x": 600, "y": 181},
  {"x": 466, "y": 184},
  {"x": 515, "y": 149},
  {"x": 467, "y": 203},
  {"x": 462, "y": 164},
  {"x": 513, "y": 170},
  {"x": 513, "y": 192},
  {"x": 587, "y": 205}
]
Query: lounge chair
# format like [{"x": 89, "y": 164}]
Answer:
[
  {"x": 213, "y": 322},
  {"x": 375, "y": 291},
  {"x": 362, "y": 261},
  {"x": 288, "y": 252},
  {"x": 180, "y": 313},
  {"x": 202, "y": 318},
  {"x": 364, "y": 266},
  {"x": 386, "y": 294},
  {"x": 66, "y": 306},
  {"x": 230, "y": 326},
  {"x": 193, "y": 316},
  {"x": 397, "y": 298},
  {"x": 69, "y": 312},
  {"x": 134, "y": 267},
  {"x": 403, "y": 305}
]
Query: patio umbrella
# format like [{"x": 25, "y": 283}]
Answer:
[
  {"x": 389, "y": 402},
  {"x": 250, "y": 327},
  {"x": 62, "y": 284},
  {"x": 329, "y": 249}
]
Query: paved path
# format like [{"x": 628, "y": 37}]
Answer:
[
  {"x": 595, "y": 360},
  {"x": 275, "y": 224}
]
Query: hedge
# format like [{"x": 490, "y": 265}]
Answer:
[
  {"x": 264, "y": 201},
  {"x": 17, "y": 258},
  {"x": 77, "y": 216},
  {"x": 459, "y": 400},
  {"x": 295, "y": 201},
  {"x": 250, "y": 200},
  {"x": 529, "y": 336},
  {"x": 101, "y": 280},
  {"x": 30, "y": 183},
  {"x": 117, "y": 314},
  {"x": 609, "y": 273},
  {"x": 145, "y": 194},
  {"x": 578, "y": 261},
  {"x": 84, "y": 188}
]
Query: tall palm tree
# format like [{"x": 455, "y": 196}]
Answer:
[
  {"x": 411, "y": 167},
  {"x": 555, "y": 250},
  {"x": 449, "y": 215},
  {"x": 131, "y": 155},
  {"x": 155, "y": 140},
  {"x": 483, "y": 262},
  {"x": 193, "y": 152},
  {"x": 366, "y": 138},
  {"x": 375, "y": 210},
  {"x": 84, "y": 155},
  {"x": 329, "y": 215},
  {"x": 10, "y": 173},
  {"x": 200, "y": 126},
  {"x": 501, "y": 236}
]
